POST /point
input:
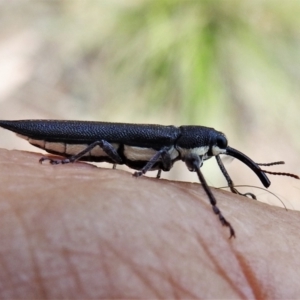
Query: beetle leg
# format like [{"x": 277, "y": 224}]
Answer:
[
  {"x": 194, "y": 163},
  {"x": 161, "y": 154},
  {"x": 106, "y": 147},
  {"x": 158, "y": 173},
  {"x": 229, "y": 180}
]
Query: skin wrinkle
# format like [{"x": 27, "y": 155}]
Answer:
[
  {"x": 128, "y": 262},
  {"x": 251, "y": 278},
  {"x": 31, "y": 251},
  {"x": 178, "y": 290},
  {"x": 39, "y": 277},
  {"x": 72, "y": 273},
  {"x": 100, "y": 257},
  {"x": 3, "y": 264},
  {"x": 105, "y": 267},
  {"x": 170, "y": 227},
  {"x": 166, "y": 274},
  {"x": 105, "y": 263},
  {"x": 78, "y": 287},
  {"x": 196, "y": 197},
  {"x": 197, "y": 256},
  {"x": 97, "y": 257},
  {"x": 219, "y": 269},
  {"x": 67, "y": 255},
  {"x": 4, "y": 268}
]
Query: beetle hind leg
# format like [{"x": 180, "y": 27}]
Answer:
[{"x": 110, "y": 151}]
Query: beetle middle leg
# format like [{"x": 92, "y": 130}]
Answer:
[
  {"x": 166, "y": 162},
  {"x": 158, "y": 174},
  {"x": 165, "y": 157},
  {"x": 104, "y": 145}
]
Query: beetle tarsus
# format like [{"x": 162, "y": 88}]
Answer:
[
  {"x": 223, "y": 221},
  {"x": 55, "y": 161},
  {"x": 138, "y": 174}
]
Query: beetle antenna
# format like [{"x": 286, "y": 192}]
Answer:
[
  {"x": 271, "y": 163},
  {"x": 282, "y": 174},
  {"x": 277, "y": 173}
]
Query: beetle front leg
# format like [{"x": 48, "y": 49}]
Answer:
[
  {"x": 104, "y": 145},
  {"x": 194, "y": 162},
  {"x": 229, "y": 180}
]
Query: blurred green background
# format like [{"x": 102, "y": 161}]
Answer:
[{"x": 232, "y": 65}]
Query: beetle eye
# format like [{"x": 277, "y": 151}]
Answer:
[{"x": 221, "y": 142}]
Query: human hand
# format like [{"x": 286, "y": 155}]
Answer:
[{"x": 77, "y": 231}]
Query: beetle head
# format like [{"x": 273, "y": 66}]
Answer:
[{"x": 218, "y": 143}]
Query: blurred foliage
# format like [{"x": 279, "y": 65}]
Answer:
[
  {"x": 202, "y": 62},
  {"x": 194, "y": 59}
]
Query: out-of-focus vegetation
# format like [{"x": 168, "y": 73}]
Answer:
[
  {"x": 233, "y": 65},
  {"x": 196, "y": 61}
]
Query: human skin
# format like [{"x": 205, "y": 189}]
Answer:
[{"x": 77, "y": 231}]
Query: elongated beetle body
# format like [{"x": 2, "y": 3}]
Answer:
[{"x": 142, "y": 147}]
